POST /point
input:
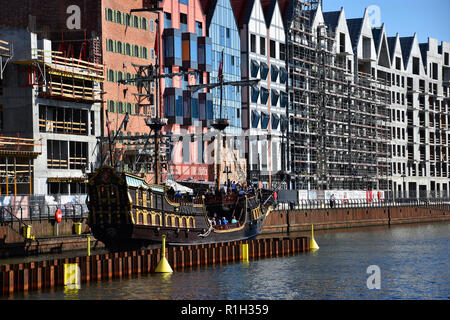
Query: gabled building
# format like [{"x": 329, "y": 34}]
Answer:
[{"x": 263, "y": 107}]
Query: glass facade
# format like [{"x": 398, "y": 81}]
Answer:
[
  {"x": 225, "y": 37},
  {"x": 172, "y": 47}
]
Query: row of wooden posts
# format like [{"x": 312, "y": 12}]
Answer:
[{"x": 34, "y": 276}]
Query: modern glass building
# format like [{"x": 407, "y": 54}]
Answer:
[{"x": 223, "y": 31}]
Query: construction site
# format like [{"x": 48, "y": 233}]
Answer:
[
  {"x": 338, "y": 133},
  {"x": 50, "y": 117}
]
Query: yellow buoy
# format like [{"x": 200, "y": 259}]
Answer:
[
  {"x": 163, "y": 265},
  {"x": 313, "y": 246}
]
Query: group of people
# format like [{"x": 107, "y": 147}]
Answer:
[{"x": 214, "y": 221}]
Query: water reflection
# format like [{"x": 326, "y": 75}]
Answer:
[{"x": 414, "y": 262}]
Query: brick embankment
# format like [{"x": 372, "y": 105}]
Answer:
[
  {"x": 49, "y": 238},
  {"x": 284, "y": 221},
  {"x": 32, "y": 276}
]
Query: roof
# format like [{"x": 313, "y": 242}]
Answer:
[
  {"x": 268, "y": 7},
  {"x": 286, "y": 9},
  {"x": 406, "y": 44},
  {"x": 391, "y": 44},
  {"x": 377, "y": 33},
  {"x": 242, "y": 11},
  {"x": 208, "y": 10},
  {"x": 332, "y": 19},
  {"x": 354, "y": 28}
]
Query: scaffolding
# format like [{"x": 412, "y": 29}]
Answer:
[
  {"x": 16, "y": 164},
  {"x": 338, "y": 119},
  {"x": 6, "y": 54},
  {"x": 58, "y": 77}
]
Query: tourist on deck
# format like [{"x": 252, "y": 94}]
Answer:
[
  {"x": 233, "y": 220},
  {"x": 224, "y": 221},
  {"x": 332, "y": 200},
  {"x": 213, "y": 222}
]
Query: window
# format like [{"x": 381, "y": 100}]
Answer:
[
  {"x": 253, "y": 43},
  {"x": 109, "y": 15},
  {"x": 282, "y": 51},
  {"x": 57, "y": 154},
  {"x": 398, "y": 63},
  {"x": 110, "y": 45},
  {"x": 119, "y": 17},
  {"x": 144, "y": 53},
  {"x": 264, "y": 95},
  {"x": 183, "y": 22},
  {"x": 128, "y": 20},
  {"x": 144, "y": 23},
  {"x": 255, "y": 94},
  {"x": 446, "y": 59},
  {"x": 136, "y": 22},
  {"x": 198, "y": 28},
  {"x": 254, "y": 68},
  {"x": 264, "y": 70},
  {"x": 416, "y": 65},
  {"x": 342, "y": 42},
  {"x": 111, "y": 75},
  {"x": 136, "y": 51},
  {"x": 273, "y": 49},
  {"x": 119, "y": 47},
  {"x": 255, "y": 119},
  {"x": 262, "y": 45},
  {"x": 167, "y": 20}
]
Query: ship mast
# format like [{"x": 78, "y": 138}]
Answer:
[{"x": 221, "y": 123}]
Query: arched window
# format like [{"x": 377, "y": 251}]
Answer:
[
  {"x": 184, "y": 222},
  {"x": 177, "y": 222},
  {"x": 110, "y": 45},
  {"x": 169, "y": 221},
  {"x": 141, "y": 218},
  {"x": 136, "y": 22},
  {"x": 157, "y": 220},
  {"x": 144, "y": 53},
  {"x": 119, "y": 17},
  {"x": 128, "y": 49},
  {"x": 136, "y": 51},
  {"x": 144, "y": 23}
]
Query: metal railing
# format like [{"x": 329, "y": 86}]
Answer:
[
  {"x": 42, "y": 212},
  {"x": 443, "y": 203}
]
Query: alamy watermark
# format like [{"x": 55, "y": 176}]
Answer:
[
  {"x": 374, "y": 13},
  {"x": 374, "y": 280},
  {"x": 73, "y": 22}
]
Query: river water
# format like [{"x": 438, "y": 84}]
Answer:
[{"x": 413, "y": 263}]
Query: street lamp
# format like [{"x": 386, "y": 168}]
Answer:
[{"x": 404, "y": 186}]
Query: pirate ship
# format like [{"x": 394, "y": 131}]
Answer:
[{"x": 127, "y": 212}]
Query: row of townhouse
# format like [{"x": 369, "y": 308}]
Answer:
[{"x": 380, "y": 122}]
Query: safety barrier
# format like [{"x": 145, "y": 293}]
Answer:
[{"x": 360, "y": 203}]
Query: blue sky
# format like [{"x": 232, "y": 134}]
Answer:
[{"x": 428, "y": 18}]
